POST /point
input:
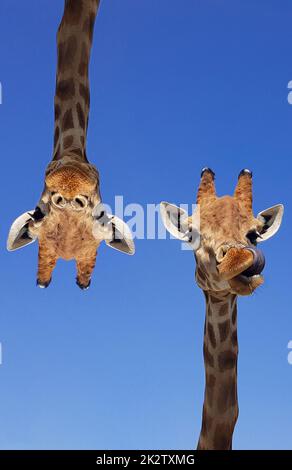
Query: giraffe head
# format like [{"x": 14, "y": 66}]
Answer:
[
  {"x": 224, "y": 234},
  {"x": 69, "y": 221}
]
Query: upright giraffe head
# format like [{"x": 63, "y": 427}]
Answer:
[
  {"x": 224, "y": 233},
  {"x": 69, "y": 220}
]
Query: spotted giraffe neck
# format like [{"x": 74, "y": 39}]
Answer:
[
  {"x": 220, "y": 410},
  {"x": 72, "y": 97}
]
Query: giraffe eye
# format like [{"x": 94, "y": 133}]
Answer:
[{"x": 252, "y": 236}]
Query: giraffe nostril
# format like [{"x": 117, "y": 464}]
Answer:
[
  {"x": 79, "y": 203},
  {"x": 221, "y": 253},
  {"x": 58, "y": 200}
]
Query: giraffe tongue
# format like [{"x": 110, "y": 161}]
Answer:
[{"x": 258, "y": 262}]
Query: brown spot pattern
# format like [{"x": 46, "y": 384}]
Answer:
[
  {"x": 211, "y": 335},
  {"x": 224, "y": 329},
  {"x": 81, "y": 116},
  {"x": 234, "y": 338},
  {"x": 67, "y": 121},
  {"x": 65, "y": 89},
  {"x": 83, "y": 66},
  {"x": 227, "y": 360}
]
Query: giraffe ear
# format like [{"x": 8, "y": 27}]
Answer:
[
  {"x": 272, "y": 219},
  {"x": 114, "y": 231},
  {"x": 177, "y": 222},
  {"x": 19, "y": 235}
]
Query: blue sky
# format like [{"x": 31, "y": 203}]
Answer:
[{"x": 175, "y": 86}]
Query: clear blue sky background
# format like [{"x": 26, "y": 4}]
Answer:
[{"x": 175, "y": 86}]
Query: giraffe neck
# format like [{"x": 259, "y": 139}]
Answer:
[
  {"x": 72, "y": 95},
  {"x": 220, "y": 409}
]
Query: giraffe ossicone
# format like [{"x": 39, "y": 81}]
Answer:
[
  {"x": 228, "y": 264},
  {"x": 64, "y": 221}
]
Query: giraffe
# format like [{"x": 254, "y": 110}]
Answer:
[
  {"x": 70, "y": 220},
  {"x": 223, "y": 233}
]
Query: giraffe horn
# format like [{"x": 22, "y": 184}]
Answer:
[
  {"x": 207, "y": 190},
  {"x": 235, "y": 262},
  {"x": 243, "y": 190}
]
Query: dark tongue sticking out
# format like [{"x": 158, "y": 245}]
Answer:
[{"x": 258, "y": 262}]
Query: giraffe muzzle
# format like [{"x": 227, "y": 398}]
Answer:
[{"x": 246, "y": 261}]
